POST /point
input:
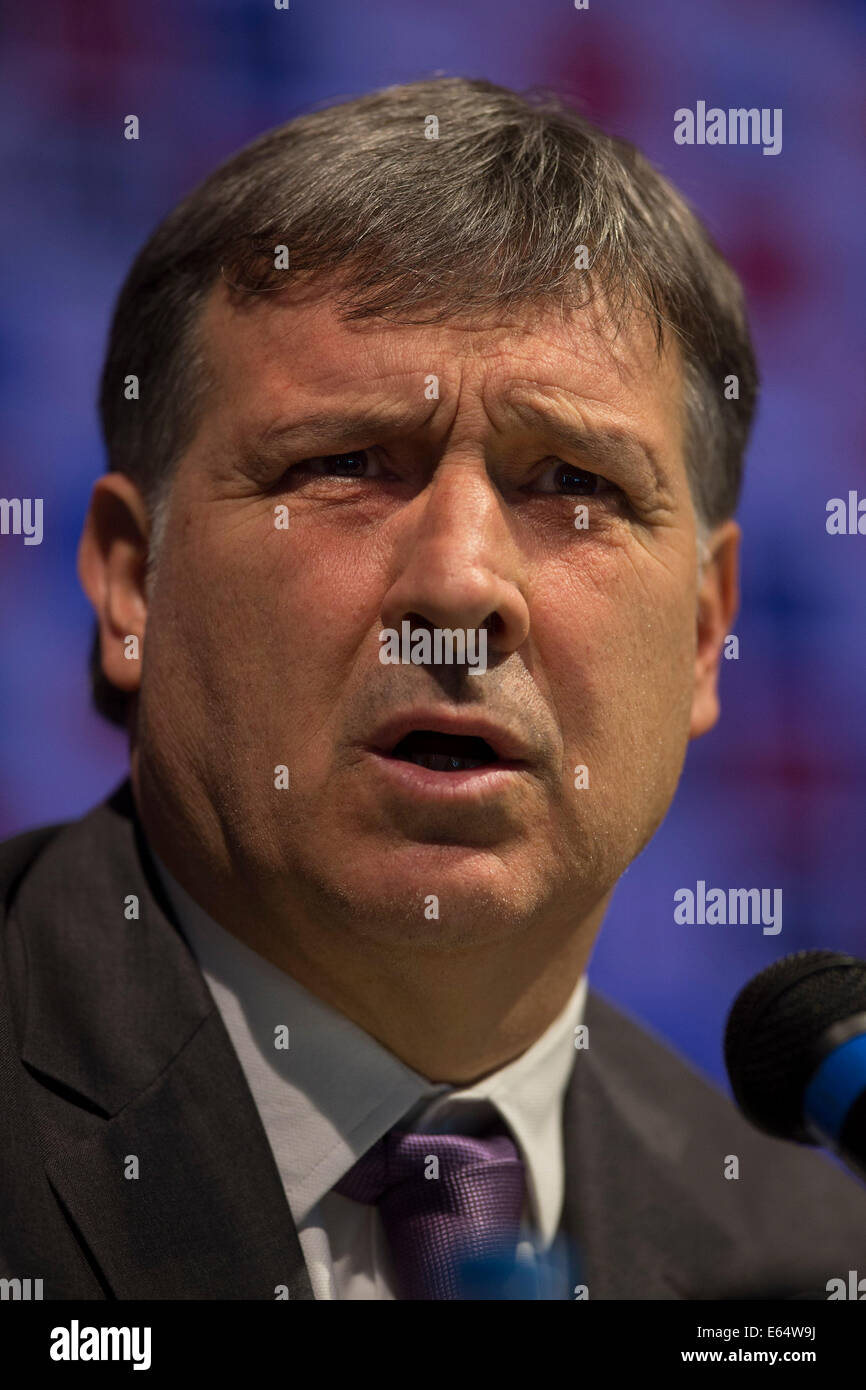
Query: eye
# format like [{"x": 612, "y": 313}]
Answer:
[
  {"x": 570, "y": 481},
  {"x": 357, "y": 463}
]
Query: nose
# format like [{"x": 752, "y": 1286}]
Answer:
[{"x": 459, "y": 564}]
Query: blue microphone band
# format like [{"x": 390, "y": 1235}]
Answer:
[{"x": 834, "y": 1088}]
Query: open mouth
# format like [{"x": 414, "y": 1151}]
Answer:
[{"x": 444, "y": 752}]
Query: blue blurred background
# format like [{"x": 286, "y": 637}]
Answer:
[{"x": 773, "y": 797}]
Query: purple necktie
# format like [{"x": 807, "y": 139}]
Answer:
[{"x": 437, "y": 1226}]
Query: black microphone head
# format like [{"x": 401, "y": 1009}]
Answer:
[{"x": 774, "y": 1032}]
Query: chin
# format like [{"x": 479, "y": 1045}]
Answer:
[{"x": 436, "y": 893}]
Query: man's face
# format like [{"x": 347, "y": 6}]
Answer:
[{"x": 429, "y": 474}]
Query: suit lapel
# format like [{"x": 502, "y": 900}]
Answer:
[
  {"x": 120, "y": 1026},
  {"x": 205, "y": 1217},
  {"x": 635, "y": 1229}
]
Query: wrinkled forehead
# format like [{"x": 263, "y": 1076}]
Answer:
[{"x": 268, "y": 354}]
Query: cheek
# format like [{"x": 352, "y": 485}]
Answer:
[
  {"x": 257, "y": 618},
  {"x": 616, "y": 640}
]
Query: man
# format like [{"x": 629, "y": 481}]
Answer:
[{"x": 411, "y": 572}]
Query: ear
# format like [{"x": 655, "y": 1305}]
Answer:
[
  {"x": 112, "y": 565},
  {"x": 718, "y": 601}
]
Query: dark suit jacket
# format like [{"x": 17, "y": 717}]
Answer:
[{"x": 111, "y": 1046}]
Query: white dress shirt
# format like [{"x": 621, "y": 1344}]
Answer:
[{"x": 334, "y": 1091}]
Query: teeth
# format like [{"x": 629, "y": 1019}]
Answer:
[{"x": 443, "y": 762}]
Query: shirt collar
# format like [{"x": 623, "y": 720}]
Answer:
[{"x": 334, "y": 1090}]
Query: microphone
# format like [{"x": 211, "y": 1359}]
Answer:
[{"x": 795, "y": 1051}]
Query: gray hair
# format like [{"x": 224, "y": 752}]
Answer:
[{"x": 486, "y": 216}]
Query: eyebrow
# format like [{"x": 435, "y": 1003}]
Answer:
[
  {"x": 608, "y": 445},
  {"x": 329, "y": 429}
]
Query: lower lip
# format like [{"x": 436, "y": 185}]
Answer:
[{"x": 425, "y": 784}]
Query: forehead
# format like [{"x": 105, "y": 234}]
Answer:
[{"x": 270, "y": 355}]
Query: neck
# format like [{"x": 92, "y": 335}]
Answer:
[
  {"x": 450, "y": 1019},
  {"x": 452, "y": 1012}
]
